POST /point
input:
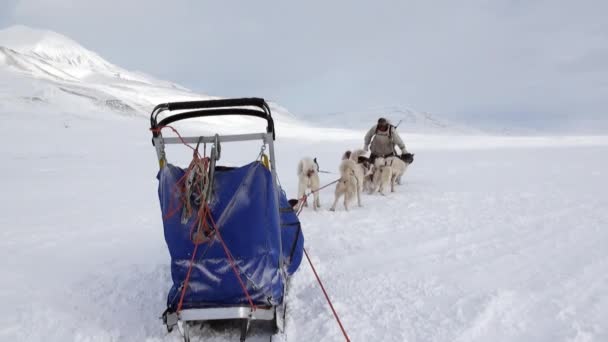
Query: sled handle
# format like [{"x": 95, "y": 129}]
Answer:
[{"x": 198, "y": 109}]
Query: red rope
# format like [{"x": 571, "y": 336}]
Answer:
[
  {"x": 203, "y": 213},
  {"x": 325, "y": 186},
  {"x": 313, "y": 267},
  {"x": 181, "y": 297},
  {"x": 179, "y": 181},
  {"x": 326, "y": 296},
  {"x": 305, "y": 197},
  {"x": 160, "y": 128},
  {"x": 187, "y": 280},
  {"x": 175, "y": 190},
  {"x": 206, "y": 211},
  {"x": 232, "y": 263}
]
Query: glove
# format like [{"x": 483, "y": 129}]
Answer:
[{"x": 365, "y": 148}]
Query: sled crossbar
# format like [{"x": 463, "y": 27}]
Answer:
[
  {"x": 253, "y": 106},
  {"x": 245, "y": 101},
  {"x": 212, "y": 112},
  {"x": 206, "y": 314},
  {"x": 266, "y": 137}
]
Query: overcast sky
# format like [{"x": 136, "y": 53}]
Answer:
[{"x": 505, "y": 58}]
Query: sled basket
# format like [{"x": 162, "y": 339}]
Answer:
[{"x": 257, "y": 242}]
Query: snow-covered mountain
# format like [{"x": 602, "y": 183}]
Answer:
[
  {"x": 409, "y": 120},
  {"x": 49, "y": 72},
  {"x": 53, "y": 73},
  {"x": 46, "y": 69},
  {"x": 58, "y": 67}
]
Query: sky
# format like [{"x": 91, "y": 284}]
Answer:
[{"x": 488, "y": 58}]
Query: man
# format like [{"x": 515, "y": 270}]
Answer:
[{"x": 385, "y": 137}]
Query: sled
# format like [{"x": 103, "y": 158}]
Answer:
[{"x": 233, "y": 238}]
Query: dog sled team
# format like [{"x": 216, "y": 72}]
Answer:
[{"x": 378, "y": 172}]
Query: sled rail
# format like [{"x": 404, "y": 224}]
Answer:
[
  {"x": 265, "y": 137},
  {"x": 207, "y": 314},
  {"x": 251, "y": 106}
]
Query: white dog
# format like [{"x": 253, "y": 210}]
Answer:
[
  {"x": 358, "y": 156},
  {"x": 383, "y": 176},
  {"x": 398, "y": 167},
  {"x": 407, "y": 158},
  {"x": 349, "y": 184},
  {"x": 308, "y": 178}
]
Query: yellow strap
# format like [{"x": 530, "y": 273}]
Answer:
[{"x": 265, "y": 161}]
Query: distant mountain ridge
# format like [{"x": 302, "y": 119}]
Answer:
[
  {"x": 44, "y": 67},
  {"x": 408, "y": 120},
  {"x": 59, "y": 67},
  {"x": 45, "y": 73},
  {"x": 48, "y": 54},
  {"x": 50, "y": 71}
]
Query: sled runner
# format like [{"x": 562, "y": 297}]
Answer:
[{"x": 233, "y": 238}]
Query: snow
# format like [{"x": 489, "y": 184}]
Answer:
[{"x": 490, "y": 238}]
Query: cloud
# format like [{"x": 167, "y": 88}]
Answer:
[{"x": 448, "y": 57}]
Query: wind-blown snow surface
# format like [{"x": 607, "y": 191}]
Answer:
[
  {"x": 489, "y": 239},
  {"x": 504, "y": 243}
]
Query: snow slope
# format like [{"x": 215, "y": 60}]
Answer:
[{"x": 489, "y": 239}]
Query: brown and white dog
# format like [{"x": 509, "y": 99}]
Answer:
[{"x": 308, "y": 178}]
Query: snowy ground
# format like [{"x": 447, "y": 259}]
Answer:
[{"x": 489, "y": 239}]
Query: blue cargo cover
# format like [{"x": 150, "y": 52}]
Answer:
[{"x": 264, "y": 239}]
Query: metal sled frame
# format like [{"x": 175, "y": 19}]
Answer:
[
  {"x": 244, "y": 313},
  {"x": 256, "y": 107}
]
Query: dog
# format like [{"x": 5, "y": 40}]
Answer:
[
  {"x": 356, "y": 155},
  {"x": 294, "y": 204},
  {"x": 368, "y": 175},
  {"x": 308, "y": 178},
  {"x": 407, "y": 158},
  {"x": 349, "y": 184},
  {"x": 368, "y": 181},
  {"x": 398, "y": 167},
  {"x": 382, "y": 176},
  {"x": 365, "y": 165}
]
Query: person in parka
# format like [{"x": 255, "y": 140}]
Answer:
[{"x": 385, "y": 137}]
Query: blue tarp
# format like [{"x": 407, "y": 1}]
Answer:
[{"x": 253, "y": 228}]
